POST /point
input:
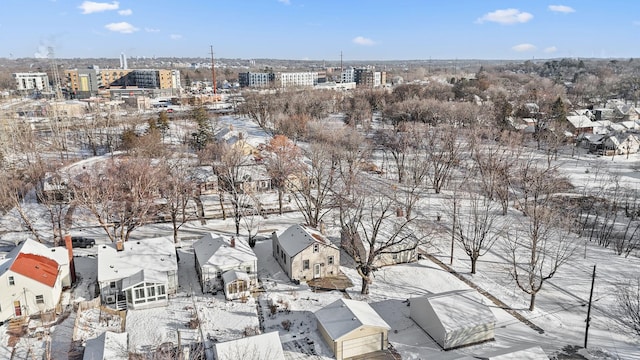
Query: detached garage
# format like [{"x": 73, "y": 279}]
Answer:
[
  {"x": 455, "y": 318},
  {"x": 352, "y": 328}
]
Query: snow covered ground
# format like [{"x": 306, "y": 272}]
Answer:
[{"x": 560, "y": 307}]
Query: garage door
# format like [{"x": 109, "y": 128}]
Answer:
[{"x": 363, "y": 345}]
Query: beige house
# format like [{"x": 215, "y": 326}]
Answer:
[
  {"x": 304, "y": 253},
  {"x": 402, "y": 250},
  {"x": 352, "y": 328}
]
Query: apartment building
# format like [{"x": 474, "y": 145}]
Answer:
[
  {"x": 256, "y": 79},
  {"x": 32, "y": 81},
  {"x": 298, "y": 79}
]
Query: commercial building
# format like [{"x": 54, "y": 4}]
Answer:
[{"x": 32, "y": 81}]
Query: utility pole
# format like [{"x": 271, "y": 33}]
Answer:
[
  {"x": 213, "y": 73},
  {"x": 586, "y": 331}
]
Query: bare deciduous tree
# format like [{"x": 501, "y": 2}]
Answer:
[
  {"x": 629, "y": 304},
  {"x": 283, "y": 160}
]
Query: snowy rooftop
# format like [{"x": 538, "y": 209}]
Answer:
[
  {"x": 215, "y": 250},
  {"x": 580, "y": 121},
  {"x": 264, "y": 346},
  {"x": 344, "y": 315},
  {"x": 108, "y": 346},
  {"x": 158, "y": 254},
  {"x": 459, "y": 309},
  {"x": 298, "y": 237}
]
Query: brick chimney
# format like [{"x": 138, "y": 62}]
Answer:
[
  {"x": 72, "y": 266},
  {"x": 233, "y": 241},
  {"x": 120, "y": 245}
]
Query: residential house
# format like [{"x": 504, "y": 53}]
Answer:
[
  {"x": 234, "y": 139},
  {"x": 402, "y": 249},
  {"x": 32, "y": 277},
  {"x": 137, "y": 274},
  {"x": 352, "y": 328},
  {"x": 225, "y": 263},
  {"x": 205, "y": 179},
  {"x": 304, "y": 253},
  {"x": 621, "y": 144},
  {"x": 454, "y": 319},
  {"x": 625, "y": 112},
  {"x": 580, "y": 124},
  {"x": 108, "y": 346},
  {"x": 259, "y": 347}
]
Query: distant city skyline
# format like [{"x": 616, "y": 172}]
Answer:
[{"x": 321, "y": 30}]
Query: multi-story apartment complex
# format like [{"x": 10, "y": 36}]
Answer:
[
  {"x": 298, "y": 79},
  {"x": 256, "y": 79},
  {"x": 86, "y": 82},
  {"x": 32, "y": 81},
  {"x": 366, "y": 78}
]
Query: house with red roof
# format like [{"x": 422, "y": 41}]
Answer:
[{"x": 32, "y": 277}]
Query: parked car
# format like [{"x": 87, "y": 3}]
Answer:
[{"x": 82, "y": 242}]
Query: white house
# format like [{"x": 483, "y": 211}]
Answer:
[
  {"x": 32, "y": 277},
  {"x": 137, "y": 274},
  {"x": 107, "y": 346},
  {"x": 352, "y": 328},
  {"x": 454, "y": 318},
  {"x": 259, "y": 347},
  {"x": 224, "y": 263},
  {"x": 403, "y": 242},
  {"x": 304, "y": 253}
]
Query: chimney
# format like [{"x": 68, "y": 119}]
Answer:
[
  {"x": 120, "y": 245},
  {"x": 72, "y": 266},
  {"x": 233, "y": 241}
]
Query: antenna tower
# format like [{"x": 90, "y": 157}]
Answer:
[
  {"x": 213, "y": 72},
  {"x": 56, "y": 75}
]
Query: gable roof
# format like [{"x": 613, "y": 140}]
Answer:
[
  {"x": 36, "y": 267},
  {"x": 215, "y": 250},
  {"x": 148, "y": 276},
  {"x": 158, "y": 254},
  {"x": 345, "y": 315},
  {"x": 459, "y": 309},
  {"x": 259, "y": 347},
  {"x": 299, "y": 237},
  {"x": 580, "y": 121},
  {"x": 233, "y": 275},
  {"x": 107, "y": 346},
  {"x": 59, "y": 254}
]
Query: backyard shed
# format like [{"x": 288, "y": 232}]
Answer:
[
  {"x": 352, "y": 328},
  {"x": 455, "y": 318}
]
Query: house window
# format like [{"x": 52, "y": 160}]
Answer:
[
  {"x": 330, "y": 260},
  {"x": 12, "y": 281},
  {"x": 112, "y": 284},
  {"x": 139, "y": 293},
  {"x": 218, "y": 274},
  {"x": 151, "y": 291},
  {"x": 248, "y": 269},
  {"x": 305, "y": 264},
  {"x": 161, "y": 290},
  {"x": 394, "y": 256},
  {"x": 316, "y": 248},
  {"x": 39, "y": 299}
]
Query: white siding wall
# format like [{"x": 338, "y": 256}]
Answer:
[{"x": 25, "y": 291}]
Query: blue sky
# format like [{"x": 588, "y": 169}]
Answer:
[{"x": 321, "y": 29}]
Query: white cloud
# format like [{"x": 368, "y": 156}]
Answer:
[
  {"x": 175, "y": 36},
  {"x": 550, "y": 49},
  {"x": 523, "y": 47},
  {"x": 286, "y": 2},
  {"x": 121, "y": 27},
  {"x": 89, "y": 7},
  {"x": 361, "y": 40},
  {"x": 151, "y": 30},
  {"x": 125, "y": 12},
  {"x": 561, "y": 8},
  {"x": 506, "y": 16}
]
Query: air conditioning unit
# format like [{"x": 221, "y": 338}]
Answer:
[{"x": 111, "y": 299}]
